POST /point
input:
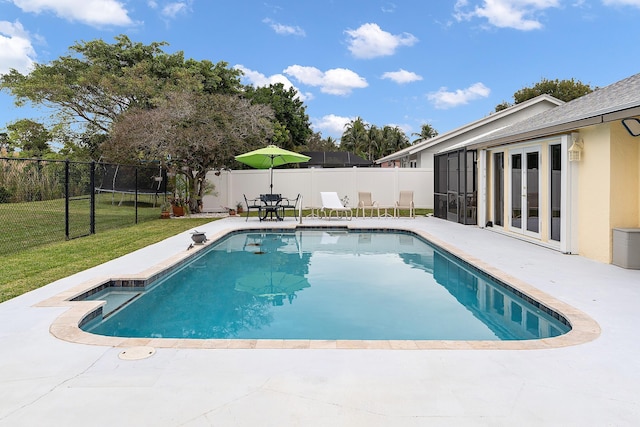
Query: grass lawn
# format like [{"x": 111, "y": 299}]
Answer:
[
  {"x": 44, "y": 222},
  {"x": 32, "y": 268}
]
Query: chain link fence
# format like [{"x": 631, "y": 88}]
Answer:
[{"x": 45, "y": 201}]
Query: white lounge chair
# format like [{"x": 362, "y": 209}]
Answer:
[
  {"x": 331, "y": 203},
  {"x": 405, "y": 202},
  {"x": 365, "y": 202}
]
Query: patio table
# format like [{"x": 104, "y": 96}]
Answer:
[{"x": 271, "y": 205}]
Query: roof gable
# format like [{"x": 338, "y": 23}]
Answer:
[{"x": 480, "y": 127}]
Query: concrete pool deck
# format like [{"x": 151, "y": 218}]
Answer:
[{"x": 48, "y": 381}]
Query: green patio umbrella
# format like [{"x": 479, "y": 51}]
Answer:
[{"x": 269, "y": 157}]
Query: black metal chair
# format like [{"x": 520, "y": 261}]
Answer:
[
  {"x": 252, "y": 204},
  {"x": 287, "y": 203}
]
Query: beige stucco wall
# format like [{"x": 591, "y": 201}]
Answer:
[
  {"x": 594, "y": 175},
  {"x": 625, "y": 178},
  {"x": 609, "y": 190}
]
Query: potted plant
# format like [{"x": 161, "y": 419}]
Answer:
[
  {"x": 232, "y": 211},
  {"x": 178, "y": 206},
  {"x": 164, "y": 210},
  {"x": 239, "y": 207}
]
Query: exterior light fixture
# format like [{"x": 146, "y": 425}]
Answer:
[
  {"x": 575, "y": 151},
  {"x": 632, "y": 125}
]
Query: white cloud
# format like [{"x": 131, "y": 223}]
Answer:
[
  {"x": 337, "y": 81},
  {"x": 370, "y": 41},
  {"x": 258, "y": 79},
  {"x": 402, "y": 76},
  {"x": 443, "y": 99},
  {"x": 91, "y": 12},
  {"x": 331, "y": 124},
  {"x": 285, "y": 30},
  {"x": 173, "y": 9},
  {"x": 388, "y": 7},
  {"x": 16, "y": 50},
  {"x": 516, "y": 14},
  {"x": 635, "y": 3}
]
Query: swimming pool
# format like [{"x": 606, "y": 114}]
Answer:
[{"x": 325, "y": 284}]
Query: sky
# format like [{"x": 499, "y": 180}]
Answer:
[{"x": 445, "y": 63}]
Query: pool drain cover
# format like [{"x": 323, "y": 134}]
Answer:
[{"x": 137, "y": 353}]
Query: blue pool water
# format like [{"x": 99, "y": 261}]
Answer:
[{"x": 326, "y": 284}]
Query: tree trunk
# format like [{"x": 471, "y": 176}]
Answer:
[{"x": 196, "y": 190}]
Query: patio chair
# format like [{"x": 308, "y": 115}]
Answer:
[
  {"x": 365, "y": 202},
  {"x": 252, "y": 204},
  {"x": 331, "y": 203},
  {"x": 405, "y": 202},
  {"x": 287, "y": 203}
]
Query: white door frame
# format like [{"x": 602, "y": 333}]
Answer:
[{"x": 524, "y": 184}]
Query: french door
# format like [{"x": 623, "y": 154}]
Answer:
[{"x": 524, "y": 206}]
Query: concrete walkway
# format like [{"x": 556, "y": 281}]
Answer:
[{"x": 45, "y": 381}]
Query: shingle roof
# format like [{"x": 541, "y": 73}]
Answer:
[{"x": 588, "y": 109}]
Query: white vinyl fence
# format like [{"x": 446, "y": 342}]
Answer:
[{"x": 384, "y": 184}]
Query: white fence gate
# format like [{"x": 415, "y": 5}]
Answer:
[{"x": 384, "y": 184}]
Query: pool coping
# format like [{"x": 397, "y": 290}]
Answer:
[{"x": 66, "y": 326}]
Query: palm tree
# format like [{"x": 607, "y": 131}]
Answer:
[
  {"x": 394, "y": 140},
  {"x": 355, "y": 138},
  {"x": 375, "y": 143},
  {"x": 426, "y": 132}
]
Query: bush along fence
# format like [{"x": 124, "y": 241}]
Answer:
[{"x": 44, "y": 201}]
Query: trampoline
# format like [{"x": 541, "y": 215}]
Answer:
[{"x": 123, "y": 180}]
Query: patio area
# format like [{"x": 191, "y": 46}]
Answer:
[{"x": 46, "y": 381}]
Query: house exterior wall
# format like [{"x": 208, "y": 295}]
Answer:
[
  {"x": 625, "y": 178},
  {"x": 594, "y": 194},
  {"x": 606, "y": 180},
  {"x": 609, "y": 188}
]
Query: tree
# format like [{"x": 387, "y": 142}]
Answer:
[
  {"x": 99, "y": 81},
  {"x": 355, "y": 137},
  {"x": 289, "y": 110},
  {"x": 426, "y": 132},
  {"x": 502, "y": 106},
  {"x": 191, "y": 133},
  {"x": 317, "y": 143},
  {"x": 4, "y": 144},
  {"x": 30, "y": 137},
  {"x": 371, "y": 142},
  {"x": 564, "y": 90},
  {"x": 394, "y": 140},
  {"x": 375, "y": 142}
]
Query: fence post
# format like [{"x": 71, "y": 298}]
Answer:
[
  {"x": 66, "y": 199},
  {"x": 92, "y": 205},
  {"x": 135, "y": 201}
]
